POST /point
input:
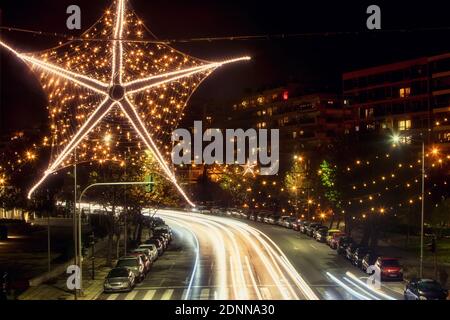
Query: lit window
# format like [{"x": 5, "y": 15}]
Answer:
[
  {"x": 404, "y": 125},
  {"x": 405, "y": 92},
  {"x": 294, "y": 134}
]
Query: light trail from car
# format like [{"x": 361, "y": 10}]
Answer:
[
  {"x": 378, "y": 292},
  {"x": 244, "y": 260}
]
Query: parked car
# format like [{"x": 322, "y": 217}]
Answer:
[
  {"x": 119, "y": 280},
  {"x": 244, "y": 214},
  {"x": 390, "y": 268},
  {"x": 281, "y": 221},
  {"x": 145, "y": 260},
  {"x": 148, "y": 249},
  {"x": 312, "y": 228},
  {"x": 272, "y": 219},
  {"x": 163, "y": 233},
  {"x": 368, "y": 260},
  {"x": 162, "y": 239},
  {"x": 350, "y": 250},
  {"x": 343, "y": 243},
  {"x": 424, "y": 289},
  {"x": 321, "y": 234},
  {"x": 203, "y": 209},
  {"x": 266, "y": 218},
  {"x": 303, "y": 225},
  {"x": 289, "y": 222},
  {"x": 359, "y": 254},
  {"x": 133, "y": 263},
  {"x": 252, "y": 217},
  {"x": 295, "y": 224},
  {"x": 335, "y": 238},
  {"x": 260, "y": 217},
  {"x": 158, "y": 244},
  {"x": 330, "y": 234}
]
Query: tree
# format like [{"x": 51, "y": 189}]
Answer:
[
  {"x": 296, "y": 181},
  {"x": 329, "y": 188}
]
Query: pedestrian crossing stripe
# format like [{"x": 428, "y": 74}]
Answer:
[
  {"x": 131, "y": 295},
  {"x": 167, "y": 294},
  {"x": 149, "y": 295},
  {"x": 112, "y": 296}
]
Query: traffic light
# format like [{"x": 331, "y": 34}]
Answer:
[
  {"x": 432, "y": 245},
  {"x": 151, "y": 182}
]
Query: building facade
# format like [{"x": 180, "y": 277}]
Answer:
[
  {"x": 407, "y": 97},
  {"x": 305, "y": 121}
]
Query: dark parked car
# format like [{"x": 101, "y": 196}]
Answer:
[
  {"x": 321, "y": 234},
  {"x": 425, "y": 289},
  {"x": 303, "y": 226},
  {"x": 260, "y": 217},
  {"x": 350, "y": 250},
  {"x": 343, "y": 243},
  {"x": 311, "y": 228},
  {"x": 162, "y": 239},
  {"x": 118, "y": 280},
  {"x": 390, "y": 268},
  {"x": 359, "y": 254},
  {"x": 368, "y": 260}
]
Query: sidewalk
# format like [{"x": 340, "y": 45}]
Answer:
[{"x": 56, "y": 289}]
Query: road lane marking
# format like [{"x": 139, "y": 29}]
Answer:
[
  {"x": 113, "y": 296},
  {"x": 252, "y": 277},
  {"x": 313, "y": 246},
  {"x": 131, "y": 295},
  {"x": 167, "y": 294},
  {"x": 204, "y": 294},
  {"x": 149, "y": 295}
]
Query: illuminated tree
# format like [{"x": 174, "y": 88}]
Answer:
[{"x": 296, "y": 181}]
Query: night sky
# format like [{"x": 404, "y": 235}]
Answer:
[{"x": 317, "y": 60}]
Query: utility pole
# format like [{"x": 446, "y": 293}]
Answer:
[
  {"x": 75, "y": 215},
  {"x": 423, "y": 209}
]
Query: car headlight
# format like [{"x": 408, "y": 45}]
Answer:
[{"x": 422, "y": 298}]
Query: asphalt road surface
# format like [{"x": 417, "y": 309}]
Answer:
[{"x": 215, "y": 257}]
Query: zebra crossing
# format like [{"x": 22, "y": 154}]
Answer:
[{"x": 172, "y": 294}]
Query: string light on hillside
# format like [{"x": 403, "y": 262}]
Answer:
[{"x": 134, "y": 91}]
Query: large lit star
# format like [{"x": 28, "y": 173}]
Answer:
[{"x": 94, "y": 84}]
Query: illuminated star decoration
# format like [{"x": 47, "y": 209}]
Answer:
[
  {"x": 108, "y": 94},
  {"x": 248, "y": 168}
]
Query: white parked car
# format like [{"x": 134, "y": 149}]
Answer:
[{"x": 152, "y": 250}]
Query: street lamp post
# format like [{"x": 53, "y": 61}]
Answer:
[
  {"x": 396, "y": 140},
  {"x": 423, "y": 209}
]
